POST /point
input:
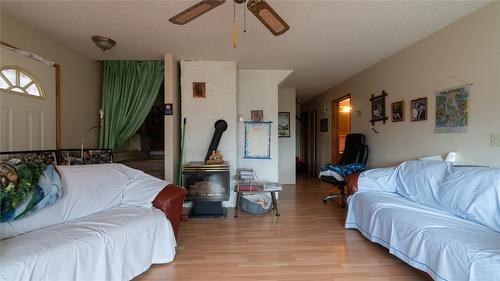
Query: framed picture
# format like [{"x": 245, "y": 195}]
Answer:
[
  {"x": 284, "y": 124},
  {"x": 398, "y": 111},
  {"x": 37, "y": 156},
  {"x": 90, "y": 156},
  {"x": 378, "y": 108},
  {"x": 419, "y": 109},
  {"x": 323, "y": 125},
  {"x": 257, "y": 115},
  {"x": 199, "y": 90},
  {"x": 168, "y": 109},
  {"x": 257, "y": 140}
]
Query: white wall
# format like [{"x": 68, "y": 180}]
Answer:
[
  {"x": 258, "y": 90},
  {"x": 467, "y": 49},
  {"x": 201, "y": 114},
  {"x": 80, "y": 80},
  {"x": 286, "y": 146},
  {"x": 172, "y": 123}
]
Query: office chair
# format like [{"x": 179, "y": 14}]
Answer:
[{"x": 355, "y": 151}]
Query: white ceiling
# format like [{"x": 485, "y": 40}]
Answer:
[{"x": 328, "y": 41}]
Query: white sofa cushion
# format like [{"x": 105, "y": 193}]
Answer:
[
  {"x": 441, "y": 244},
  {"x": 472, "y": 193},
  {"x": 115, "y": 244},
  {"x": 89, "y": 189}
]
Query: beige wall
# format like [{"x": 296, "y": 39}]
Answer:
[
  {"x": 468, "y": 49},
  {"x": 258, "y": 90},
  {"x": 286, "y": 146},
  {"x": 80, "y": 84}
]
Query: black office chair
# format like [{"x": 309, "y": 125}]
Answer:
[{"x": 355, "y": 151}]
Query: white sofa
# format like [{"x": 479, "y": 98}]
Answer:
[
  {"x": 103, "y": 228},
  {"x": 440, "y": 219}
]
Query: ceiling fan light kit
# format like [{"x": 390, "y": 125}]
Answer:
[
  {"x": 259, "y": 8},
  {"x": 103, "y": 43}
]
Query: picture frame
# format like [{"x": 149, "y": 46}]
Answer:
[
  {"x": 257, "y": 140},
  {"x": 168, "y": 109},
  {"x": 378, "y": 108},
  {"x": 199, "y": 90},
  {"x": 90, "y": 156},
  {"x": 398, "y": 111},
  {"x": 418, "y": 109},
  {"x": 257, "y": 115},
  {"x": 323, "y": 125},
  {"x": 284, "y": 124}
]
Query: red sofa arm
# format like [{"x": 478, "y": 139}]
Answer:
[{"x": 169, "y": 201}]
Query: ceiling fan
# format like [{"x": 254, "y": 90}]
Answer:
[{"x": 260, "y": 8}]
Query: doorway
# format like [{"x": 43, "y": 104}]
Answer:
[{"x": 341, "y": 126}]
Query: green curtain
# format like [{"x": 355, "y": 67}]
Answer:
[{"x": 129, "y": 89}]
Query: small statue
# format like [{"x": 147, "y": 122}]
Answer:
[{"x": 215, "y": 158}]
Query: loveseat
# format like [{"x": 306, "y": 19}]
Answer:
[
  {"x": 439, "y": 218},
  {"x": 111, "y": 223}
]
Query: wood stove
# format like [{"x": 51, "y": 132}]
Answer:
[{"x": 207, "y": 186}]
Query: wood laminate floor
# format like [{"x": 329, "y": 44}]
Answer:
[{"x": 307, "y": 242}]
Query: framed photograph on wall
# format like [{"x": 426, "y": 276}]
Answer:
[
  {"x": 378, "y": 108},
  {"x": 398, "y": 111},
  {"x": 199, "y": 90},
  {"x": 323, "y": 125},
  {"x": 419, "y": 109},
  {"x": 284, "y": 124},
  {"x": 257, "y": 115}
]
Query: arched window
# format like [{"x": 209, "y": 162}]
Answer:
[{"x": 15, "y": 80}]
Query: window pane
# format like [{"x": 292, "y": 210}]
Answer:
[
  {"x": 19, "y": 90},
  {"x": 33, "y": 90},
  {"x": 3, "y": 84},
  {"x": 24, "y": 79},
  {"x": 10, "y": 74}
]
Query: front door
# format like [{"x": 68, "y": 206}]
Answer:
[{"x": 27, "y": 103}]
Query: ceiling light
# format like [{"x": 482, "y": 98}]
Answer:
[
  {"x": 344, "y": 108},
  {"x": 103, "y": 43}
]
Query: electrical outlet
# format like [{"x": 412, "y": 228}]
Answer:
[{"x": 495, "y": 139}]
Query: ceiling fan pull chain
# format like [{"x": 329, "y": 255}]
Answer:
[{"x": 244, "y": 19}]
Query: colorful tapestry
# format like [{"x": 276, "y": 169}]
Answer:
[
  {"x": 27, "y": 187},
  {"x": 452, "y": 110}
]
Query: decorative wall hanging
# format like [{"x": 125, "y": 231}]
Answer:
[
  {"x": 419, "y": 109},
  {"x": 378, "y": 108},
  {"x": 452, "y": 110},
  {"x": 199, "y": 90},
  {"x": 257, "y": 140},
  {"x": 323, "y": 125},
  {"x": 284, "y": 124},
  {"x": 257, "y": 115},
  {"x": 398, "y": 111},
  {"x": 168, "y": 109}
]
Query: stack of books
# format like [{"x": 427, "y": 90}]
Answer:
[
  {"x": 249, "y": 185},
  {"x": 245, "y": 174}
]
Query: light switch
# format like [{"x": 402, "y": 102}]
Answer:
[{"x": 495, "y": 139}]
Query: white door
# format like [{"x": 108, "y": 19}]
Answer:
[{"x": 27, "y": 103}]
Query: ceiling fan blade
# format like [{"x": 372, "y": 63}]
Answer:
[
  {"x": 195, "y": 11},
  {"x": 266, "y": 14}
]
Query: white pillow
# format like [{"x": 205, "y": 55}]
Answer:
[{"x": 88, "y": 189}]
